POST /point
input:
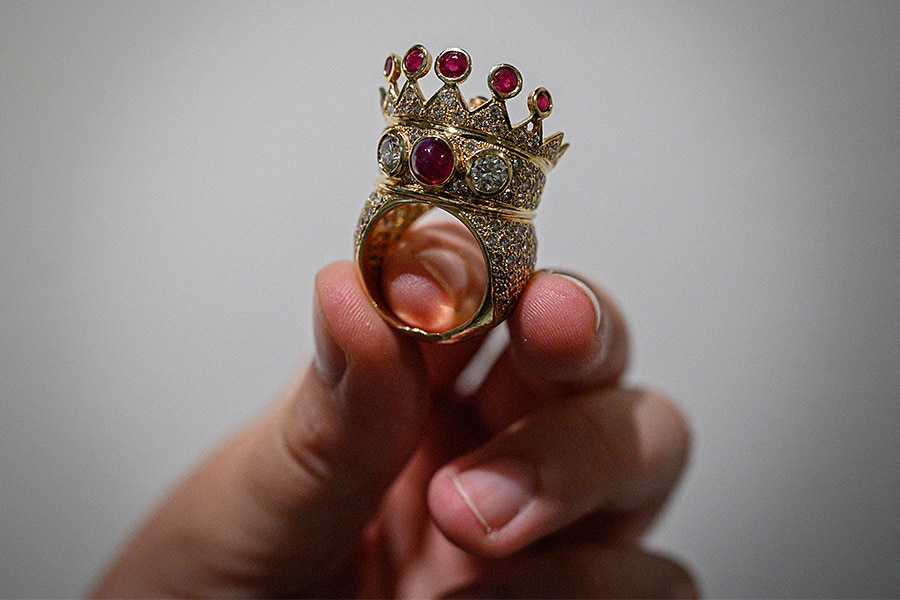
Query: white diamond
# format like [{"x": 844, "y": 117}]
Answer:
[
  {"x": 389, "y": 153},
  {"x": 489, "y": 173}
]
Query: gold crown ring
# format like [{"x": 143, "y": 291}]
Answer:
[{"x": 468, "y": 160}]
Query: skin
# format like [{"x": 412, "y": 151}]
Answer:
[
  {"x": 434, "y": 277},
  {"x": 374, "y": 477}
]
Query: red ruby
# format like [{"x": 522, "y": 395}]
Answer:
[
  {"x": 542, "y": 101},
  {"x": 389, "y": 66},
  {"x": 431, "y": 161},
  {"x": 452, "y": 64},
  {"x": 414, "y": 59},
  {"x": 505, "y": 80}
]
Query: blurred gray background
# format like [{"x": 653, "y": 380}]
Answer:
[{"x": 172, "y": 175}]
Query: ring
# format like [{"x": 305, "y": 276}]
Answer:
[{"x": 468, "y": 160}]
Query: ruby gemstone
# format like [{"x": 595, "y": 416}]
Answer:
[
  {"x": 542, "y": 101},
  {"x": 389, "y": 66},
  {"x": 452, "y": 64},
  {"x": 505, "y": 80},
  {"x": 431, "y": 161},
  {"x": 414, "y": 59}
]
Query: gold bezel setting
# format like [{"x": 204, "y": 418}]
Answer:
[
  {"x": 417, "y": 54},
  {"x": 499, "y": 80},
  {"x": 391, "y": 69},
  {"x": 471, "y": 166},
  {"x": 401, "y": 161},
  {"x": 450, "y": 60},
  {"x": 432, "y": 183},
  {"x": 538, "y": 97}
]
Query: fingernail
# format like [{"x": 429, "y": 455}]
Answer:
[
  {"x": 496, "y": 491},
  {"x": 330, "y": 361}
]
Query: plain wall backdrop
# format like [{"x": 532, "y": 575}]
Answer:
[{"x": 172, "y": 175}]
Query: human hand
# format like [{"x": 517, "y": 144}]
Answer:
[{"x": 375, "y": 477}]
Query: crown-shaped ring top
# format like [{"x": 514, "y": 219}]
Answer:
[{"x": 464, "y": 149}]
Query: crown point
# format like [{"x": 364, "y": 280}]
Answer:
[
  {"x": 540, "y": 103},
  {"x": 505, "y": 81},
  {"x": 453, "y": 65},
  {"x": 391, "y": 70},
  {"x": 416, "y": 62}
]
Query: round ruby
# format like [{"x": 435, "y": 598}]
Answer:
[
  {"x": 414, "y": 59},
  {"x": 389, "y": 66},
  {"x": 452, "y": 64},
  {"x": 542, "y": 101},
  {"x": 431, "y": 161},
  {"x": 505, "y": 80}
]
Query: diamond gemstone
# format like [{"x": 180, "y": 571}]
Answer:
[
  {"x": 390, "y": 153},
  {"x": 489, "y": 173}
]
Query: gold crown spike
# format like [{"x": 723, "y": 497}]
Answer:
[{"x": 466, "y": 158}]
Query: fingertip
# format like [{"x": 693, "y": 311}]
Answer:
[
  {"x": 373, "y": 395},
  {"x": 662, "y": 430},
  {"x": 417, "y": 297},
  {"x": 452, "y": 512},
  {"x": 490, "y": 504},
  {"x": 330, "y": 361},
  {"x": 558, "y": 326},
  {"x": 351, "y": 321},
  {"x": 382, "y": 371},
  {"x": 460, "y": 505},
  {"x": 344, "y": 304}
]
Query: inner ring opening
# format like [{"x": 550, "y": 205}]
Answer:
[{"x": 424, "y": 268}]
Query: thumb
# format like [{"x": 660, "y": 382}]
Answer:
[{"x": 280, "y": 509}]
